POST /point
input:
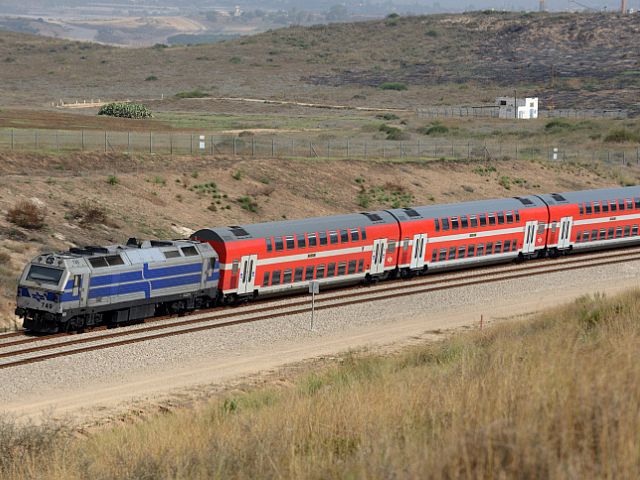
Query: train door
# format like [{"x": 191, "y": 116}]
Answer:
[
  {"x": 564, "y": 237},
  {"x": 529, "y": 242},
  {"x": 247, "y": 274},
  {"x": 378, "y": 255},
  {"x": 417, "y": 256}
]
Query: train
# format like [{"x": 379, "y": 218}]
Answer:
[{"x": 234, "y": 264}]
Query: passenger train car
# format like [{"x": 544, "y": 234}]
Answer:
[
  {"x": 86, "y": 287},
  {"x": 89, "y": 286}
]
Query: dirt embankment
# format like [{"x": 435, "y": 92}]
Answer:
[{"x": 97, "y": 198}]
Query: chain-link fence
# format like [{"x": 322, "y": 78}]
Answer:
[{"x": 492, "y": 111}]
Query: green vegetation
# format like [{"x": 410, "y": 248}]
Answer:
[
  {"x": 27, "y": 214},
  {"x": 248, "y": 203},
  {"x": 389, "y": 194},
  {"x": 151, "y": 78},
  {"x": 237, "y": 175},
  {"x": 622, "y": 135},
  {"x": 197, "y": 93},
  {"x": 112, "y": 180},
  {"x": 397, "y": 86},
  {"x": 394, "y": 133},
  {"x": 125, "y": 110},
  {"x": 436, "y": 128}
]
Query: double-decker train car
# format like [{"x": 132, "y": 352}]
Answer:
[
  {"x": 593, "y": 219},
  {"x": 86, "y": 287},
  {"x": 275, "y": 257},
  {"x": 455, "y": 235}
]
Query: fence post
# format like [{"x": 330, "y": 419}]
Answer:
[
  {"x": 36, "y": 139},
  {"x": 623, "y": 159},
  {"x": 212, "y": 145},
  {"x": 468, "y": 150},
  {"x": 57, "y": 141},
  {"x": 637, "y": 155},
  {"x": 365, "y": 150},
  {"x": 273, "y": 147},
  {"x": 12, "y": 138},
  {"x": 82, "y": 140},
  {"x": 234, "y": 146},
  {"x": 419, "y": 148},
  {"x": 253, "y": 146},
  {"x": 452, "y": 150},
  {"x": 329, "y": 148},
  {"x": 170, "y": 144},
  {"x": 128, "y": 142},
  {"x": 105, "y": 141},
  {"x": 191, "y": 144},
  {"x": 516, "y": 151},
  {"x": 150, "y": 142},
  {"x": 348, "y": 148}
]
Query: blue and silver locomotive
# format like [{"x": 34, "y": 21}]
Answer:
[{"x": 91, "y": 286}]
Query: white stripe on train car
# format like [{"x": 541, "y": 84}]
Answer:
[{"x": 613, "y": 218}]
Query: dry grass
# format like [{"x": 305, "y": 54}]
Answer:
[
  {"x": 553, "y": 397},
  {"x": 27, "y": 214}
]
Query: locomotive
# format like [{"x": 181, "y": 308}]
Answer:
[{"x": 97, "y": 285}]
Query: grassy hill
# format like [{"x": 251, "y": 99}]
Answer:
[
  {"x": 554, "y": 397},
  {"x": 570, "y": 60}
]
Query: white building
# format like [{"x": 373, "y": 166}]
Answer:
[{"x": 526, "y": 107}]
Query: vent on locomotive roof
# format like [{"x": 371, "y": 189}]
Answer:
[
  {"x": 411, "y": 212},
  {"x": 238, "y": 231},
  {"x": 374, "y": 217},
  {"x": 524, "y": 201},
  {"x": 161, "y": 243},
  {"x": 557, "y": 197},
  {"x": 94, "y": 249}
]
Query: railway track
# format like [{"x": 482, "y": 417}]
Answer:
[{"x": 37, "y": 349}]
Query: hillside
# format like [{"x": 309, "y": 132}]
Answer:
[
  {"x": 551, "y": 397},
  {"x": 569, "y": 60}
]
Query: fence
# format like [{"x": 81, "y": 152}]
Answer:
[
  {"x": 492, "y": 111},
  {"x": 278, "y": 147}
]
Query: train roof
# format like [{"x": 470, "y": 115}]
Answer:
[
  {"x": 294, "y": 227},
  {"x": 591, "y": 195},
  {"x": 476, "y": 207}
]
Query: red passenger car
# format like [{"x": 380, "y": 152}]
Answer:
[{"x": 276, "y": 257}]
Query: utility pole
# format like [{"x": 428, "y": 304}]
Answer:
[
  {"x": 623, "y": 7},
  {"x": 542, "y": 6}
]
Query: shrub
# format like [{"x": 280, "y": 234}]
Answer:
[
  {"x": 237, "y": 175},
  {"x": 125, "y": 110},
  {"x": 88, "y": 213},
  {"x": 387, "y": 116},
  {"x": 393, "y": 133},
  {"x": 397, "y": 86},
  {"x": 27, "y": 214},
  {"x": 151, "y": 78},
  {"x": 197, "y": 93},
  {"x": 112, "y": 180},
  {"x": 235, "y": 60},
  {"x": 557, "y": 124},
  {"x": 4, "y": 258},
  {"x": 621, "y": 135},
  {"x": 248, "y": 203},
  {"x": 434, "y": 129}
]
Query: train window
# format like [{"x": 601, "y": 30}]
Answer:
[
  {"x": 172, "y": 254},
  {"x": 234, "y": 267},
  {"x": 507, "y": 245},
  {"x": 392, "y": 247},
  {"x": 360, "y": 266},
  {"x": 434, "y": 255},
  {"x": 313, "y": 241},
  {"x": 298, "y": 275},
  {"x": 473, "y": 221},
  {"x": 620, "y": 205},
  {"x": 189, "y": 251},
  {"x": 637, "y": 201},
  {"x": 489, "y": 248},
  {"x": 471, "y": 252},
  {"x": 509, "y": 217},
  {"x": 279, "y": 244},
  {"x": 462, "y": 250},
  {"x": 581, "y": 208},
  {"x": 481, "y": 249},
  {"x": 269, "y": 245},
  {"x": 605, "y": 206},
  {"x": 514, "y": 245},
  {"x": 114, "y": 260},
  {"x": 302, "y": 241},
  {"x": 634, "y": 230},
  {"x": 443, "y": 255},
  {"x": 603, "y": 234},
  {"x": 320, "y": 271},
  {"x": 291, "y": 244},
  {"x": 498, "y": 247},
  {"x": 98, "y": 262},
  {"x": 629, "y": 204},
  {"x": 517, "y": 215},
  {"x": 352, "y": 267},
  {"x": 454, "y": 223},
  {"x": 589, "y": 210},
  {"x": 492, "y": 219},
  {"x": 627, "y": 230},
  {"x": 596, "y": 207},
  {"x": 355, "y": 235},
  {"x": 286, "y": 277},
  {"x": 464, "y": 222},
  {"x": 308, "y": 275},
  {"x": 445, "y": 223},
  {"x": 331, "y": 270},
  {"x": 265, "y": 279},
  {"x": 342, "y": 268},
  {"x": 614, "y": 206},
  {"x": 578, "y": 237},
  {"x": 541, "y": 228},
  {"x": 436, "y": 222},
  {"x": 452, "y": 253},
  {"x": 323, "y": 238},
  {"x": 344, "y": 236},
  {"x": 610, "y": 233},
  {"x": 333, "y": 237},
  {"x": 500, "y": 218},
  {"x": 405, "y": 244},
  {"x": 618, "y": 232},
  {"x": 275, "y": 279},
  {"x": 483, "y": 220}
]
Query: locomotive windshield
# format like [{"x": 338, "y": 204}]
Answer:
[{"x": 41, "y": 274}]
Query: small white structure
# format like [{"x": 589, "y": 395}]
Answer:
[{"x": 527, "y": 108}]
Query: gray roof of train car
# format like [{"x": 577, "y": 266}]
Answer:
[
  {"x": 594, "y": 195},
  {"x": 467, "y": 208},
  {"x": 294, "y": 227}
]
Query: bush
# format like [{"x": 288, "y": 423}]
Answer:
[
  {"x": 112, "y": 180},
  {"x": 557, "y": 124},
  {"x": 151, "y": 78},
  {"x": 397, "y": 86},
  {"x": 197, "y": 93},
  {"x": 88, "y": 213},
  {"x": 387, "y": 116},
  {"x": 621, "y": 135},
  {"x": 27, "y": 214},
  {"x": 248, "y": 204},
  {"x": 125, "y": 110},
  {"x": 434, "y": 129},
  {"x": 4, "y": 258},
  {"x": 393, "y": 133}
]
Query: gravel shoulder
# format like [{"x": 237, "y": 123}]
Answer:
[{"x": 108, "y": 384}]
